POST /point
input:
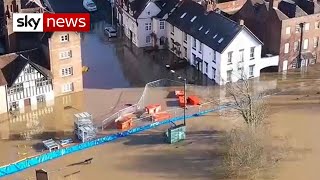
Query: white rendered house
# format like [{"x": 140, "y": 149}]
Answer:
[
  {"x": 222, "y": 49},
  {"x": 143, "y": 21}
]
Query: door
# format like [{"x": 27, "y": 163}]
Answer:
[
  {"x": 27, "y": 102},
  {"x": 303, "y": 63},
  {"x": 285, "y": 65}
]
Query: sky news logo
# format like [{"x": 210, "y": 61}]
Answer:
[{"x": 47, "y": 22}]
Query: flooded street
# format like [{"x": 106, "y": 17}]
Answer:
[{"x": 118, "y": 71}]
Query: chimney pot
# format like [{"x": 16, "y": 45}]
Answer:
[{"x": 241, "y": 22}]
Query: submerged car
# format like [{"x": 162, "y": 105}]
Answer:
[
  {"x": 110, "y": 32},
  {"x": 89, "y": 5}
]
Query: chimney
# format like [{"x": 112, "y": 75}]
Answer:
[
  {"x": 241, "y": 22},
  {"x": 273, "y": 4}
]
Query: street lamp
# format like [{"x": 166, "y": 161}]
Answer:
[{"x": 184, "y": 93}]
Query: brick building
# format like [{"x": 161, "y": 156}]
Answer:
[{"x": 288, "y": 28}]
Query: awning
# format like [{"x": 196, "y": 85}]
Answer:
[{"x": 307, "y": 55}]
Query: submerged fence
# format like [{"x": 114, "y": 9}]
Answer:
[{"x": 33, "y": 161}]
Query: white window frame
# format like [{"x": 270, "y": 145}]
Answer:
[
  {"x": 67, "y": 87},
  {"x": 148, "y": 39},
  {"x": 206, "y": 67},
  {"x": 185, "y": 37},
  {"x": 214, "y": 73},
  {"x": 65, "y": 54},
  {"x": 68, "y": 71},
  {"x": 305, "y": 44},
  {"x": 64, "y": 38},
  {"x": 251, "y": 70},
  {"x": 229, "y": 76},
  {"x": 315, "y": 42},
  {"x": 214, "y": 56},
  {"x": 200, "y": 47},
  {"x": 252, "y": 52},
  {"x": 286, "y": 48},
  {"x": 297, "y": 28},
  {"x": 288, "y": 30},
  {"x": 162, "y": 25},
  {"x": 185, "y": 52},
  {"x": 307, "y": 26},
  {"x": 147, "y": 26},
  {"x": 230, "y": 57},
  {"x": 241, "y": 55},
  {"x": 194, "y": 43}
]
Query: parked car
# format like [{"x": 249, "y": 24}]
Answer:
[
  {"x": 110, "y": 31},
  {"x": 89, "y": 5}
]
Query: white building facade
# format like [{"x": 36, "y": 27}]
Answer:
[
  {"x": 221, "y": 55},
  {"x": 29, "y": 87}
]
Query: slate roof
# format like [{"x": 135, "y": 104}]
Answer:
[
  {"x": 137, "y": 6},
  {"x": 63, "y": 6},
  {"x": 166, "y": 6},
  {"x": 12, "y": 64},
  {"x": 212, "y": 29},
  {"x": 290, "y": 9}
]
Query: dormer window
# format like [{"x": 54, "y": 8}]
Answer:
[
  {"x": 194, "y": 18},
  {"x": 183, "y": 15},
  {"x": 200, "y": 28},
  {"x": 207, "y": 31}
]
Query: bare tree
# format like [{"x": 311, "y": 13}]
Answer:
[{"x": 251, "y": 106}]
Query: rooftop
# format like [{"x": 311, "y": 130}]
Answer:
[
  {"x": 60, "y": 6},
  {"x": 212, "y": 29}
]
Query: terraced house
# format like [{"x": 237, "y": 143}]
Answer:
[{"x": 288, "y": 28}]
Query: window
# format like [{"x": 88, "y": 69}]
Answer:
[
  {"x": 286, "y": 48},
  {"x": 297, "y": 28},
  {"x": 172, "y": 29},
  {"x": 162, "y": 40},
  {"x": 15, "y": 88},
  {"x": 294, "y": 64},
  {"x": 148, "y": 26},
  {"x": 14, "y": 106},
  {"x": 172, "y": 43},
  {"x": 230, "y": 57},
  {"x": 214, "y": 56},
  {"x": 148, "y": 39},
  {"x": 64, "y": 38},
  {"x": 41, "y": 98},
  {"x": 42, "y": 82},
  {"x": 241, "y": 53},
  {"x": 315, "y": 42},
  {"x": 306, "y": 26},
  {"x": 288, "y": 30},
  {"x": 194, "y": 18},
  {"x": 317, "y": 25},
  {"x": 185, "y": 37},
  {"x": 229, "y": 76},
  {"x": 252, "y": 53},
  {"x": 194, "y": 44},
  {"x": 213, "y": 73},
  {"x": 194, "y": 59},
  {"x": 66, "y": 71},
  {"x": 296, "y": 46},
  {"x": 200, "y": 48},
  {"x": 251, "y": 70},
  {"x": 185, "y": 52},
  {"x": 162, "y": 24},
  {"x": 306, "y": 44},
  {"x": 28, "y": 70},
  {"x": 65, "y": 54},
  {"x": 240, "y": 70},
  {"x": 183, "y": 15},
  {"x": 206, "y": 67},
  {"x": 68, "y": 87}
]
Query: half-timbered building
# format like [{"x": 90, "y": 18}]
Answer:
[{"x": 23, "y": 82}]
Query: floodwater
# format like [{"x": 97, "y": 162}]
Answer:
[{"x": 117, "y": 73}]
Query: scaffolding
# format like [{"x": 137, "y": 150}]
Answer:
[
  {"x": 51, "y": 145},
  {"x": 83, "y": 127}
]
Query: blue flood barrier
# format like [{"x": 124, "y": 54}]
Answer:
[{"x": 34, "y": 161}]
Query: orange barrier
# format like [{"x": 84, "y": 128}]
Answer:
[
  {"x": 193, "y": 100},
  {"x": 181, "y": 101},
  {"x": 154, "y": 108},
  {"x": 161, "y": 116},
  {"x": 179, "y": 93},
  {"x": 125, "y": 123}
]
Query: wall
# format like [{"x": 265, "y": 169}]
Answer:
[
  {"x": 55, "y": 47},
  {"x": 159, "y": 32},
  {"x": 292, "y": 37},
  {"x": 130, "y": 24},
  {"x": 3, "y": 100},
  {"x": 243, "y": 41}
]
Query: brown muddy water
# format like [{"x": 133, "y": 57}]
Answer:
[{"x": 295, "y": 111}]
